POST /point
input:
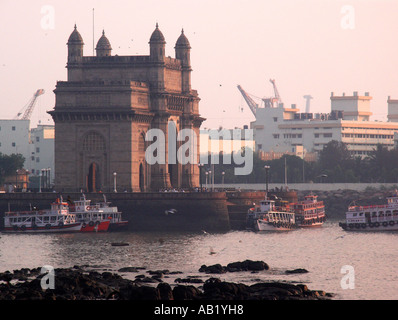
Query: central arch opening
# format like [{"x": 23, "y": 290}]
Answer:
[{"x": 93, "y": 178}]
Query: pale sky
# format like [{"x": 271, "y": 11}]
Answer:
[{"x": 306, "y": 46}]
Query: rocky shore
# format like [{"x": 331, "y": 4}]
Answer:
[{"x": 79, "y": 283}]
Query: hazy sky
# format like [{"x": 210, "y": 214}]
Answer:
[{"x": 309, "y": 47}]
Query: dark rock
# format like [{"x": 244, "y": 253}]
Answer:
[
  {"x": 165, "y": 291},
  {"x": 75, "y": 284},
  {"x": 300, "y": 270},
  {"x": 215, "y": 289},
  {"x": 275, "y": 288},
  {"x": 186, "y": 293},
  {"x": 158, "y": 272},
  {"x": 247, "y": 265},
  {"x": 215, "y": 268},
  {"x": 188, "y": 280},
  {"x": 128, "y": 269},
  {"x": 134, "y": 292}
]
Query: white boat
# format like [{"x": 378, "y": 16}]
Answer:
[
  {"x": 268, "y": 217},
  {"x": 373, "y": 217},
  {"x": 98, "y": 217},
  {"x": 56, "y": 219}
]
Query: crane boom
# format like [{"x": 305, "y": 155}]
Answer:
[
  {"x": 277, "y": 96},
  {"x": 250, "y": 102},
  {"x": 30, "y": 106}
]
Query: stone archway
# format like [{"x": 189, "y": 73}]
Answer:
[
  {"x": 94, "y": 161},
  {"x": 94, "y": 178}
]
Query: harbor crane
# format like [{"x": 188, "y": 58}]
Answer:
[
  {"x": 307, "y": 104},
  {"x": 29, "y": 107},
  {"x": 277, "y": 96},
  {"x": 249, "y": 100},
  {"x": 271, "y": 102}
]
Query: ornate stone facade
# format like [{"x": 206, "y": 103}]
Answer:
[{"x": 105, "y": 108}]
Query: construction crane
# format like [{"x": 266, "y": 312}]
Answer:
[
  {"x": 250, "y": 102},
  {"x": 307, "y": 103},
  {"x": 29, "y": 107}
]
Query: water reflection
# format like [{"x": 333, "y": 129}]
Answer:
[{"x": 322, "y": 251}]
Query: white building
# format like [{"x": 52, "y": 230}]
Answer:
[
  {"x": 15, "y": 137},
  {"x": 36, "y": 145},
  {"x": 281, "y": 128},
  {"x": 225, "y": 141},
  {"x": 42, "y": 150}
]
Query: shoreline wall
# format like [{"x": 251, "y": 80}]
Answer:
[
  {"x": 309, "y": 186},
  {"x": 195, "y": 211}
]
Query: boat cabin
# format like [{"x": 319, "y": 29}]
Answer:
[{"x": 266, "y": 205}]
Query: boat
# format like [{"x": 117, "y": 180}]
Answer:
[
  {"x": 116, "y": 221},
  {"x": 56, "y": 219},
  {"x": 92, "y": 219},
  {"x": 269, "y": 217},
  {"x": 309, "y": 212},
  {"x": 99, "y": 217},
  {"x": 373, "y": 217}
]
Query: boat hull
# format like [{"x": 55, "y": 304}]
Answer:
[
  {"x": 262, "y": 225},
  {"x": 99, "y": 226},
  {"x": 73, "y": 227},
  {"x": 360, "y": 227},
  {"x": 118, "y": 226}
]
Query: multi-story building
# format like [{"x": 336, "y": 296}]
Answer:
[
  {"x": 42, "y": 151},
  {"x": 15, "y": 137},
  {"x": 283, "y": 128},
  {"x": 36, "y": 145}
]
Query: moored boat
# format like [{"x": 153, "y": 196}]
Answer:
[
  {"x": 373, "y": 217},
  {"x": 92, "y": 219},
  {"x": 116, "y": 221},
  {"x": 309, "y": 212},
  {"x": 268, "y": 217},
  {"x": 56, "y": 219},
  {"x": 98, "y": 217}
]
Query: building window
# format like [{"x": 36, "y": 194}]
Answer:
[
  {"x": 93, "y": 142},
  {"x": 316, "y": 135},
  {"x": 260, "y": 146},
  {"x": 13, "y": 128},
  {"x": 37, "y": 139},
  {"x": 37, "y": 159},
  {"x": 275, "y": 119},
  {"x": 327, "y": 135},
  {"x": 37, "y": 150},
  {"x": 276, "y": 135},
  {"x": 13, "y": 144}
]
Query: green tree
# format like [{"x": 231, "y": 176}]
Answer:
[{"x": 9, "y": 164}]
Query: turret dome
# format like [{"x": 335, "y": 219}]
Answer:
[
  {"x": 103, "y": 43},
  {"x": 157, "y": 35},
  {"x": 182, "y": 40},
  {"x": 75, "y": 37}
]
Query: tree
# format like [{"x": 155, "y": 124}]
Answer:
[
  {"x": 334, "y": 153},
  {"x": 9, "y": 164}
]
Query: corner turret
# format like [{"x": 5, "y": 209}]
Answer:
[
  {"x": 75, "y": 46},
  {"x": 103, "y": 48},
  {"x": 157, "y": 45}
]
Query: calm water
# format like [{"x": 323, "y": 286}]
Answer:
[{"x": 322, "y": 251}]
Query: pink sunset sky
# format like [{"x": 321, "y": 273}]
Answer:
[{"x": 309, "y": 47}]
